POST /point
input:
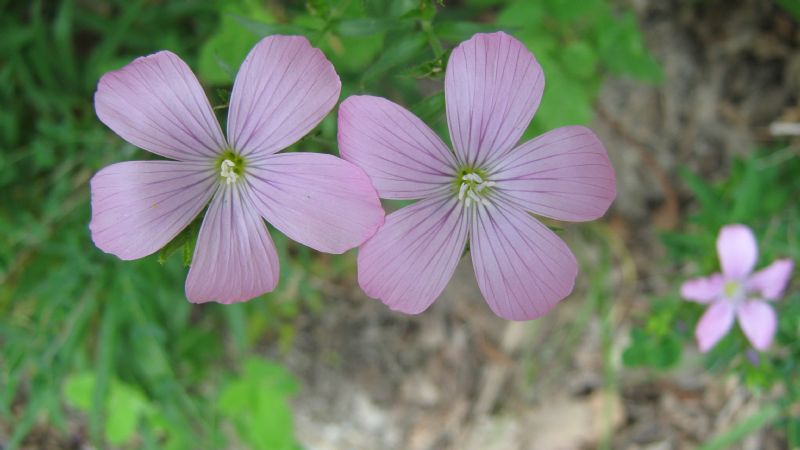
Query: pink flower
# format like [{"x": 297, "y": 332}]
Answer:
[
  {"x": 737, "y": 292},
  {"x": 482, "y": 192},
  {"x": 284, "y": 88}
]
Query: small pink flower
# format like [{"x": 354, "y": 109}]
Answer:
[
  {"x": 737, "y": 292},
  {"x": 482, "y": 192},
  {"x": 283, "y": 89}
]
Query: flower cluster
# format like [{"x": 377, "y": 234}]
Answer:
[{"x": 481, "y": 192}]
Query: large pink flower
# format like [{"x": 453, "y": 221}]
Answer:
[
  {"x": 482, "y": 192},
  {"x": 737, "y": 292},
  {"x": 284, "y": 88}
]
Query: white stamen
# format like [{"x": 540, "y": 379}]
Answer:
[
  {"x": 226, "y": 170},
  {"x": 473, "y": 196},
  {"x": 472, "y": 185},
  {"x": 461, "y": 191},
  {"x": 472, "y": 177},
  {"x": 484, "y": 185}
]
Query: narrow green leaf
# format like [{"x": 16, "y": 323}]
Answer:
[
  {"x": 744, "y": 428},
  {"x": 368, "y": 26}
]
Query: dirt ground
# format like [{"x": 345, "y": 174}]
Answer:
[{"x": 457, "y": 377}]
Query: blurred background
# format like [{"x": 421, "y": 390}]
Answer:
[{"x": 697, "y": 102}]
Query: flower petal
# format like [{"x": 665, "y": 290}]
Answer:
[
  {"x": 523, "y": 268},
  {"x": 284, "y": 88},
  {"x": 234, "y": 259},
  {"x": 758, "y": 321},
  {"x": 771, "y": 280},
  {"x": 404, "y": 158},
  {"x": 564, "y": 174},
  {"x": 139, "y": 206},
  {"x": 318, "y": 200},
  {"x": 493, "y": 86},
  {"x": 409, "y": 261},
  {"x": 703, "y": 290},
  {"x": 156, "y": 103},
  {"x": 714, "y": 325},
  {"x": 737, "y": 251}
]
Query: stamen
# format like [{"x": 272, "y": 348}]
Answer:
[
  {"x": 472, "y": 177},
  {"x": 484, "y": 185},
  {"x": 471, "y": 189},
  {"x": 461, "y": 191},
  {"x": 227, "y": 172}
]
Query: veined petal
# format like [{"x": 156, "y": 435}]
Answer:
[
  {"x": 714, "y": 324},
  {"x": 409, "y": 261},
  {"x": 564, "y": 174},
  {"x": 318, "y": 200},
  {"x": 284, "y": 88},
  {"x": 758, "y": 322},
  {"x": 704, "y": 289},
  {"x": 737, "y": 251},
  {"x": 404, "y": 158},
  {"x": 523, "y": 268},
  {"x": 139, "y": 206},
  {"x": 234, "y": 259},
  {"x": 156, "y": 103},
  {"x": 493, "y": 86},
  {"x": 771, "y": 280}
]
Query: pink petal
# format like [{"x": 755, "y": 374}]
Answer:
[
  {"x": 771, "y": 280},
  {"x": 564, "y": 174},
  {"x": 703, "y": 290},
  {"x": 234, "y": 259},
  {"x": 758, "y": 321},
  {"x": 318, "y": 200},
  {"x": 523, "y": 268},
  {"x": 408, "y": 263},
  {"x": 493, "y": 86},
  {"x": 404, "y": 158},
  {"x": 139, "y": 206},
  {"x": 156, "y": 103},
  {"x": 284, "y": 88},
  {"x": 737, "y": 251},
  {"x": 714, "y": 325}
]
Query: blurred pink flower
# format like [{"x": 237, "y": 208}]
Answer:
[
  {"x": 283, "y": 89},
  {"x": 482, "y": 192},
  {"x": 737, "y": 292}
]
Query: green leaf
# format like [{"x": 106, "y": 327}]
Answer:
[
  {"x": 185, "y": 240},
  {"x": 703, "y": 191},
  {"x": 524, "y": 14},
  {"x": 78, "y": 390},
  {"x": 224, "y": 51},
  {"x": 256, "y": 403},
  {"x": 566, "y": 101},
  {"x": 579, "y": 59},
  {"x": 399, "y": 52},
  {"x": 622, "y": 50},
  {"x": 458, "y": 31},
  {"x": 352, "y": 54},
  {"x": 368, "y": 26},
  {"x": 430, "y": 108},
  {"x": 793, "y": 6},
  {"x": 434, "y": 68},
  {"x": 565, "y": 10},
  {"x": 125, "y": 407}
]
